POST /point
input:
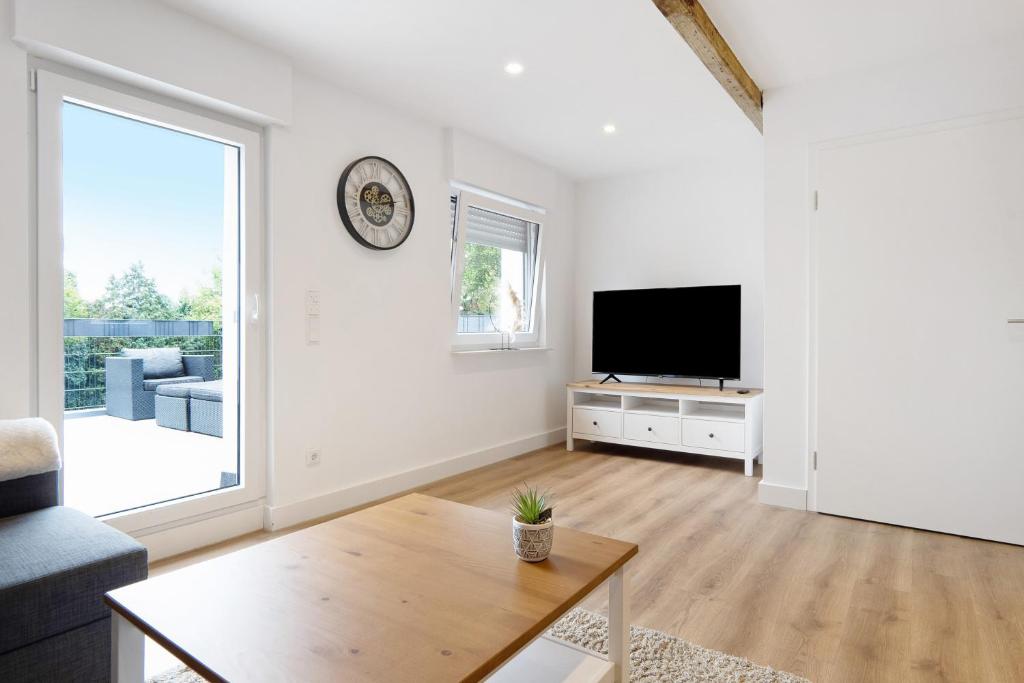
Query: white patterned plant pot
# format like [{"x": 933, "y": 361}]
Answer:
[{"x": 532, "y": 542}]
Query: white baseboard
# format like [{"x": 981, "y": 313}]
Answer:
[
  {"x": 290, "y": 514},
  {"x": 210, "y": 529},
  {"x": 782, "y": 496}
]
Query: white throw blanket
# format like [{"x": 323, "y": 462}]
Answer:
[{"x": 27, "y": 446}]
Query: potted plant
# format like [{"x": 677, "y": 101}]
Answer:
[{"x": 532, "y": 527}]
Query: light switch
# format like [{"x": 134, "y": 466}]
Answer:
[
  {"x": 312, "y": 329},
  {"x": 312, "y": 302}
]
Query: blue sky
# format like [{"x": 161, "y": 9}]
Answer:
[{"x": 137, "y": 192}]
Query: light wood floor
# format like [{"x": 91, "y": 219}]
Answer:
[{"x": 829, "y": 598}]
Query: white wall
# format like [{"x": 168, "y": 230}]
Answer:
[
  {"x": 382, "y": 394},
  {"x": 153, "y": 46},
  {"x": 15, "y": 255},
  {"x": 701, "y": 224},
  {"x": 941, "y": 87}
]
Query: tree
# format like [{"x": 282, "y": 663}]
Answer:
[
  {"x": 480, "y": 274},
  {"x": 74, "y": 305},
  {"x": 133, "y": 295},
  {"x": 206, "y": 303}
]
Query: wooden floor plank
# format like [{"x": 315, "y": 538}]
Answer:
[{"x": 829, "y": 598}]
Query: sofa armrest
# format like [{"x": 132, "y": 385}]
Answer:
[
  {"x": 123, "y": 373},
  {"x": 27, "y": 494},
  {"x": 126, "y": 397},
  {"x": 199, "y": 366}
]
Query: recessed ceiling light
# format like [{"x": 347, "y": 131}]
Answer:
[
  {"x": 513, "y": 68},
  {"x": 609, "y": 128}
]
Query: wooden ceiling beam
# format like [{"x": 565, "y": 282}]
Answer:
[{"x": 695, "y": 26}]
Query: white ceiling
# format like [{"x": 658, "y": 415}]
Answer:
[
  {"x": 787, "y": 41},
  {"x": 587, "y": 63}
]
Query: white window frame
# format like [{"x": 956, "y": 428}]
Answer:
[
  {"x": 53, "y": 89},
  {"x": 483, "y": 340}
]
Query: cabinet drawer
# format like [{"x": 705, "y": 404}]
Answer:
[
  {"x": 722, "y": 436},
  {"x": 597, "y": 422},
  {"x": 651, "y": 428}
]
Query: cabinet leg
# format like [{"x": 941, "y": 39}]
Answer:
[
  {"x": 748, "y": 467},
  {"x": 568, "y": 420}
]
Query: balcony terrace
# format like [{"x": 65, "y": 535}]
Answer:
[{"x": 113, "y": 464}]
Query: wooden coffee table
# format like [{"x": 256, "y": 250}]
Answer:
[{"x": 415, "y": 589}]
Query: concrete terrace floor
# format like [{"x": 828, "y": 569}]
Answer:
[{"x": 111, "y": 464}]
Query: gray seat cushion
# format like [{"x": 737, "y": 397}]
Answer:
[
  {"x": 152, "y": 384},
  {"x": 158, "y": 363},
  {"x": 208, "y": 391},
  {"x": 176, "y": 389},
  {"x": 55, "y": 566}
]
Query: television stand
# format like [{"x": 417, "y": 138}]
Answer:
[
  {"x": 610, "y": 377},
  {"x": 686, "y": 419}
]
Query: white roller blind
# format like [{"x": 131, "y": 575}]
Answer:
[{"x": 496, "y": 230}]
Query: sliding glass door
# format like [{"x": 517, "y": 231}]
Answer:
[{"x": 150, "y": 343}]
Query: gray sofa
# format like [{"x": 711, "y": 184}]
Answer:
[
  {"x": 206, "y": 409},
  {"x": 195, "y": 407},
  {"x": 132, "y": 378},
  {"x": 55, "y": 565}
]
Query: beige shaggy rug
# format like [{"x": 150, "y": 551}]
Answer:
[{"x": 656, "y": 657}]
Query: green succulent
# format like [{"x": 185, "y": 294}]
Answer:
[{"x": 531, "y": 506}]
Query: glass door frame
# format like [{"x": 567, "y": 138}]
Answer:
[{"x": 53, "y": 90}]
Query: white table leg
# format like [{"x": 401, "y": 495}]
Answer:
[
  {"x": 618, "y": 624},
  {"x": 127, "y": 651}
]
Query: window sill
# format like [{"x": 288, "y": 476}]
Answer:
[{"x": 456, "y": 351}]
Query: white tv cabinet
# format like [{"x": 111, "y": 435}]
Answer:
[{"x": 700, "y": 420}]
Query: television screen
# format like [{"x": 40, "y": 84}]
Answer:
[{"x": 678, "y": 332}]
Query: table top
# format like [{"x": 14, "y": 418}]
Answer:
[{"x": 414, "y": 589}]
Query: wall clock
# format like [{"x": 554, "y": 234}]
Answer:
[{"x": 375, "y": 203}]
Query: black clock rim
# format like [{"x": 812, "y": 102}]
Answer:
[{"x": 340, "y": 199}]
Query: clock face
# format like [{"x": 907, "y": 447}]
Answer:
[{"x": 375, "y": 203}]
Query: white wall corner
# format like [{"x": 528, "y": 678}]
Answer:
[
  {"x": 781, "y": 495},
  {"x": 490, "y": 166},
  {"x": 290, "y": 514},
  {"x": 448, "y": 137},
  {"x": 116, "y": 39}
]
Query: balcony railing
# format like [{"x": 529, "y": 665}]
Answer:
[
  {"x": 473, "y": 322},
  {"x": 88, "y": 342}
]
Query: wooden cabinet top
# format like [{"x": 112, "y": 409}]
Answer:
[{"x": 673, "y": 389}]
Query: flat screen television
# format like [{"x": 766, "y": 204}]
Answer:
[{"x": 673, "y": 332}]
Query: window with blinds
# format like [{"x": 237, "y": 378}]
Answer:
[{"x": 498, "y": 270}]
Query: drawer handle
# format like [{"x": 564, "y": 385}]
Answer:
[
  {"x": 595, "y": 423},
  {"x": 649, "y": 429},
  {"x": 711, "y": 435}
]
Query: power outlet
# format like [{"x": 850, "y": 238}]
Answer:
[{"x": 312, "y": 457}]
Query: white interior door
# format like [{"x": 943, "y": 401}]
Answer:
[{"x": 920, "y": 371}]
